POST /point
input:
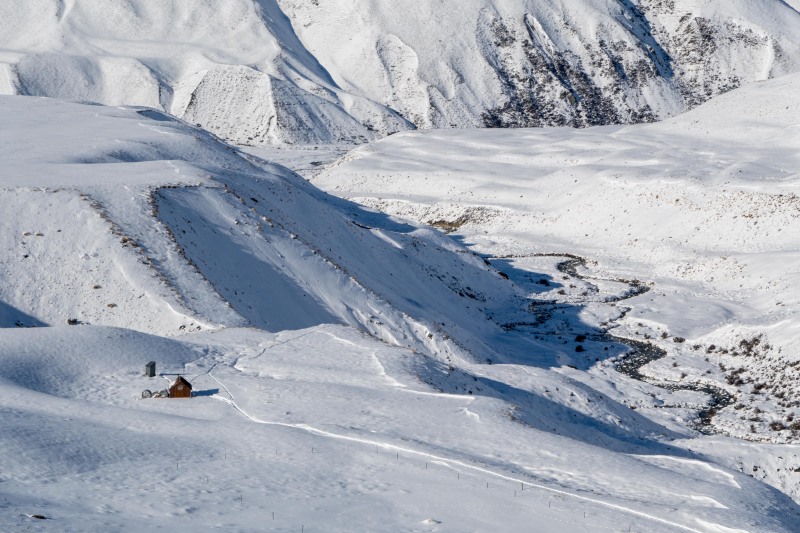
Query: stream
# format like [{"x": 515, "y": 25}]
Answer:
[{"x": 643, "y": 353}]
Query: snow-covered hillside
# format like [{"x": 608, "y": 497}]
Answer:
[
  {"x": 318, "y": 72},
  {"x": 351, "y": 371},
  {"x": 235, "y": 67},
  {"x": 565, "y": 62},
  {"x": 703, "y": 209}
]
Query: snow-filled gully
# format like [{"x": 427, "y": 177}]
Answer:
[{"x": 644, "y": 353}]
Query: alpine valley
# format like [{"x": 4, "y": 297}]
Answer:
[{"x": 432, "y": 266}]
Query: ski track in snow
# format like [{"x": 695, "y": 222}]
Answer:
[{"x": 287, "y": 341}]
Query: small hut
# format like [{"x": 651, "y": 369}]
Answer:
[
  {"x": 180, "y": 388},
  {"x": 150, "y": 369}
]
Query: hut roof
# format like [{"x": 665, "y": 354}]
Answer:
[{"x": 181, "y": 379}]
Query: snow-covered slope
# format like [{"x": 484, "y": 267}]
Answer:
[
  {"x": 703, "y": 208},
  {"x": 375, "y": 386},
  {"x": 562, "y": 62},
  {"x": 111, "y": 170},
  {"x": 236, "y": 67},
  {"x": 309, "y": 430},
  {"x": 293, "y": 71}
]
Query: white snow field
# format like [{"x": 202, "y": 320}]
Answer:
[
  {"x": 352, "y": 371},
  {"x": 261, "y": 72}
]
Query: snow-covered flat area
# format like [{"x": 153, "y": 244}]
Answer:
[{"x": 352, "y": 370}]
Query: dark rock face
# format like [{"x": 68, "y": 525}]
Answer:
[
  {"x": 551, "y": 87},
  {"x": 611, "y": 81}
]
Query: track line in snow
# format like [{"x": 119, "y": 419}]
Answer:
[
  {"x": 262, "y": 352},
  {"x": 388, "y": 446}
]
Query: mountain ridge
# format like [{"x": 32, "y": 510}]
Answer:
[{"x": 275, "y": 72}]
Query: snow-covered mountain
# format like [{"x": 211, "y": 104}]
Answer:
[
  {"x": 349, "y": 367},
  {"x": 318, "y": 72},
  {"x": 235, "y": 67},
  {"x": 563, "y": 62},
  {"x": 602, "y": 337}
]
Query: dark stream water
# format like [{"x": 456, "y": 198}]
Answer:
[{"x": 642, "y": 352}]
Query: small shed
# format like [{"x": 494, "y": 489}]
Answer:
[
  {"x": 180, "y": 388},
  {"x": 150, "y": 369}
]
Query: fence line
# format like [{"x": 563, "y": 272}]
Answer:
[{"x": 397, "y": 449}]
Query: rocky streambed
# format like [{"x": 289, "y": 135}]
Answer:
[{"x": 643, "y": 353}]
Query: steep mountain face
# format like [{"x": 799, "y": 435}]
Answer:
[
  {"x": 329, "y": 71},
  {"x": 513, "y": 63}
]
